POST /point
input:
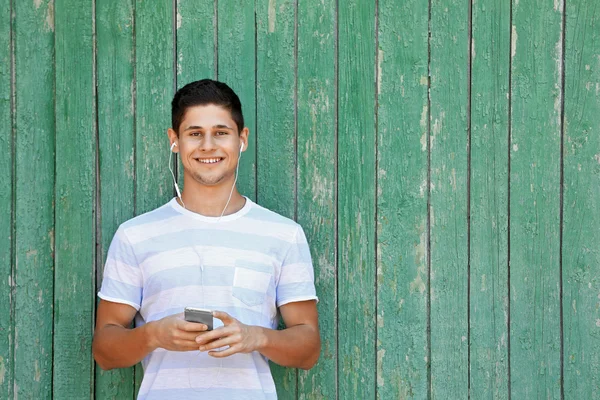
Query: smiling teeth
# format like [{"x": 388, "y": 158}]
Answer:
[{"x": 210, "y": 160}]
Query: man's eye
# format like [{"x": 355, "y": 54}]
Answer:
[
  {"x": 222, "y": 133},
  {"x": 195, "y": 134}
]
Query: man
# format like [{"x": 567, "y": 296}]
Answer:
[{"x": 209, "y": 248}]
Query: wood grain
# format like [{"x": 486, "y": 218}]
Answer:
[
  {"x": 276, "y": 131},
  {"x": 402, "y": 278},
  {"x": 316, "y": 174},
  {"x": 116, "y": 121},
  {"x": 356, "y": 201},
  {"x": 581, "y": 203},
  {"x": 490, "y": 61},
  {"x": 448, "y": 199},
  {"x": 6, "y": 204},
  {"x": 34, "y": 201},
  {"x": 536, "y": 54}
]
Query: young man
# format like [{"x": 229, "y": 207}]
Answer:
[{"x": 214, "y": 249}]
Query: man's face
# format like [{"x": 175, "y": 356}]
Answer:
[{"x": 209, "y": 145}]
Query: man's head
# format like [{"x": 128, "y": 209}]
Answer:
[
  {"x": 202, "y": 93},
  {"x": 208, "y": 132}
]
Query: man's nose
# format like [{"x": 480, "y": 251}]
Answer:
[{"x": 208, "y": 143}]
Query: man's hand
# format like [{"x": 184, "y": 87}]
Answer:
[
  {"x": 176, "y": 334},
  {"x": 239, "y": 337}
]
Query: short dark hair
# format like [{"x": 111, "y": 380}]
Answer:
[{"x": 205, "y": 92}]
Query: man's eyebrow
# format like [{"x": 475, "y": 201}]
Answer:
[{"x": 199, "y": 127}]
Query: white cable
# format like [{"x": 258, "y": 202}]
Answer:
[
  {"x": 232, "y": 187},
  {"x": 173, "y": 175}
]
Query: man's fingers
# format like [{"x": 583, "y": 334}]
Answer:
[
  {"x": 226, "y": 341},
  {"x": 224, "y": 353},
  {"x": 223, "y": 316},
  {"x": 192, "y": 326},
  {"x": 212, "y": 335}
]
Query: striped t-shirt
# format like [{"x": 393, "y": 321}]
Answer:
[{"x": 246, "y": 264}]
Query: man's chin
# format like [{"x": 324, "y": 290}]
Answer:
[{"x": 210, "y": 181}]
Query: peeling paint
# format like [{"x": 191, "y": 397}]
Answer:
[
  {"x": 513, "y": 42},
  {"x": 272, "y": 15},
  {"x": 472, "y": 49},
  {"x": 178, "y": 19},
  {"x": 453, "y": 179},
  {"x": 380, "y": 355},
  {"x": 37, "y": 3},
  {"x": 417, "y": 284},
  {"x": 379, "y": 61},
  {"x": 50, "y": 17},
  {"x": 515, "y": 147},
  {"x": 423, "y": 80},
  {"x": 483, "y": 286},
  {"x": 558, "y": 6},
  {"x": 326, "y": 269},
  {"x": 37, "y": 372},
  {"x": 423, "y": 121},
  {"x": 2, "y": 370},
  {"x": 574, "y": 306}
]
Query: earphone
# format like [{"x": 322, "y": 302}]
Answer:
[{"x": 173, "y": 175}]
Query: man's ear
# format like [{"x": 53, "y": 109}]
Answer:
[
  {"x": 244, "y": 137},
  {"x": 173, "y": 138}
]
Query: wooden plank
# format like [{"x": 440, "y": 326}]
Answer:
[
  {"x": 276, "y": 136},
  {"x": 448, "y": 199},
  {"x": 490, "y": 63},
  {"x": 115, "y": 57},
  {"x": 75, "y": 200},
  {"x": 154, "y": 92},
  {"x": 236, "y": 67},
  {"x": 581, "y": 202},
  {"x": 196, "y": 27},
  {"x": 536, "y": 54},
  {"x": 34, "y": 214},
  {"x": 316, "y": 179},
  {"x": 195, "y": 41},
  {"x": 154, "y": 82},
  {"x": 356, "y": 200},
  {"x": 6, "y": 204},
  {"x": 402, "y": 348}
]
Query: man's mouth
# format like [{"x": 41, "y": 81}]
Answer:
[{"x": 213, "y": 160}]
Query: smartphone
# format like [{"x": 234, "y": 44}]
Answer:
[{"x": 199, "y": 315}]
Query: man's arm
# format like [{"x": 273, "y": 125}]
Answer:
[
  {"x": 296, "y": 346},
  {"x": 116, "y": 345}
]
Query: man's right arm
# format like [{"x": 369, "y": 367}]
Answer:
[{"x": 116, "y": 345}]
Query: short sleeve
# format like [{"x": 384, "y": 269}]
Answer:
[
  {"x": 296, "y": 280},
  {"x": 122, "y": 282}
]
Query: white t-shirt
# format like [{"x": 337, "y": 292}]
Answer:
[{"x": 247, "y": 264}]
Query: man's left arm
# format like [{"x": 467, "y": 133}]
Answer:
[{"x": 297, "y": 346}]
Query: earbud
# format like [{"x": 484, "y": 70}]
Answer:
[
  {"x": 242, "y": 147},
  {"x": 173, "y": 175}
]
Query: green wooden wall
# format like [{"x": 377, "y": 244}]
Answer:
[{"x": 443, "y": 157}]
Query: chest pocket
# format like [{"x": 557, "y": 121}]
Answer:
[{"x": 251, "y": 282}]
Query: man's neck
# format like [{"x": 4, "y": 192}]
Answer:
[{"x": 210, "y": 201}]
